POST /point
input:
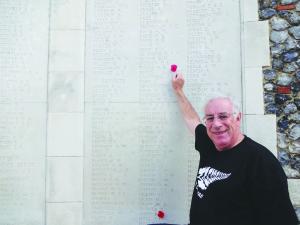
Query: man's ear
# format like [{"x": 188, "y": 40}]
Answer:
[{"x": 239, "y": 117}]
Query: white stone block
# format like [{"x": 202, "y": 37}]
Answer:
[
  {"x": 64, "y": 179},
  {"x": 262, "y": 129},
  {"x": 64, "y": 213},
  {"x": 67, "y": 14},
  {"x": 294, "y": 191},
  {"x": 256, "y": 44},
  {"x": 65, "y": 134},
  {"x": 66, "y": 92},
  {"x": 253, "y": 91},
  {"x": 66, "y": 50},
  {"x": 250, "y": 10}
]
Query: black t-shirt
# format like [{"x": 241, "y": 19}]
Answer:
[{"x": 244, "y": 185}]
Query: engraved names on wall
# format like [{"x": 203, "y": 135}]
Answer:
[
  {"x": 23, "y": 77},
  {"x": 139, "y": 157}
]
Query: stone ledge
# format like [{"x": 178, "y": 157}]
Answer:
[
  {"x": 256, "y": 44},
  {"x": 253, "y": 91},
  {"x": 64, "y": 179},
  {"x": 250, "y": 9},
  {"x": 64, "y": 213},
  {"x": 262, "y": 128}
]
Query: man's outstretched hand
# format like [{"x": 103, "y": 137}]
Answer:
[{"x": 178, "y": 82}]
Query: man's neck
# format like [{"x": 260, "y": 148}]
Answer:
[{"x": 239, "y": 139}]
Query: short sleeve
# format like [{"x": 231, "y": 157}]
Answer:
[{"x": 202, "y": 141}]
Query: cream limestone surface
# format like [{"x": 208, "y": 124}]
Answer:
[{"x": 90, "y": 131}]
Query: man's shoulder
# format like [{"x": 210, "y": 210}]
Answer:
[
  {"x": 255, "y": 146},
  {"x": 259, "y": 151}
]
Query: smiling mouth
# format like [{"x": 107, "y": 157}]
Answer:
[{"x": 220, "y": 132}]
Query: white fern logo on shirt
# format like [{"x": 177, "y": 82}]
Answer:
[{"x": 207, "y": 176}]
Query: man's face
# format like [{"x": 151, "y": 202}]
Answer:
[{"x": 222, "y": 126}]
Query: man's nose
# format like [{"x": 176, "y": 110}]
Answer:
[{"x": 216, "y": 122}]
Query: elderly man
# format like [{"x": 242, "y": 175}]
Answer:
[{"x": 239, "y": 181}]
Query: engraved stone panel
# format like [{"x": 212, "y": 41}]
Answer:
[
  {"x": 111, "y": 169},
  {"x": 22, "y": 163},
  {"x": 112, "y": 55},
  {"x": 23, "y": 50},
  {"x": 139, "y": 157},
  {"x": 23, "y": 89}
]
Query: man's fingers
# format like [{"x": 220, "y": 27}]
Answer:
[{"x": 177, "y": 77}]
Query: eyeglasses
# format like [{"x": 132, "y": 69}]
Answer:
[{"x": 221, "y": 117}]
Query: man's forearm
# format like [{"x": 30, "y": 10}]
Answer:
[{"x": 190, "y": 115}]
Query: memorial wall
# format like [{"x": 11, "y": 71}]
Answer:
[
  {"x": 90, "y": 131},
  {"x": 139, "y": 157}
]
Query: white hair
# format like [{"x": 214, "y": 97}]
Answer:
[{"x": 236, "y": 104}]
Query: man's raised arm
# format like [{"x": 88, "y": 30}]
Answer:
[{"x": 190, "y": 115}]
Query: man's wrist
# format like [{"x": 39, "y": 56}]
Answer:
[{"x": 179, "y": 93}]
